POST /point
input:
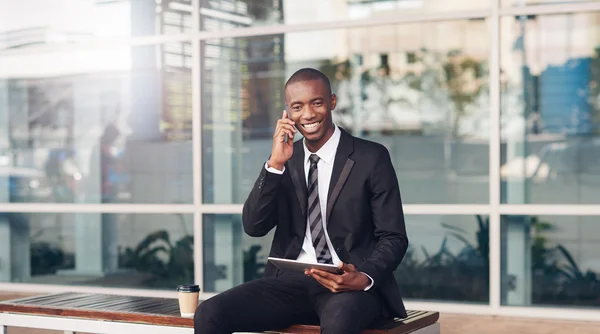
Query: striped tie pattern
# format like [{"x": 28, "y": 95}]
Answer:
[{"x": 315, "y": 218}]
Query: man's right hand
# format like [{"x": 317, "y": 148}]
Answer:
[{"x": 282, "y": 151}]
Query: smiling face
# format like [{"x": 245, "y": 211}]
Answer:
[{"x": 309, "y": 106}]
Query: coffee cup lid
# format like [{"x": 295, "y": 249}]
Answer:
[{"x": 188, "y": 288}]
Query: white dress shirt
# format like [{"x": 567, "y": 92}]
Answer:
[{"x": 326, "y": 156}]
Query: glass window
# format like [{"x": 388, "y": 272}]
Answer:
[
  {"x": 551, "y": 261},
  {"x": 25, "y": 23},
  {"x": 97, "y": 126},
  {"x": 136, "y": 251},
  {"x": 448, "y": 257},
  {"x": 230, "y": 256},
  {"x": 550, "y": 109},
  {"x": 228, "y": 14},
  {"x": 421, "y": 90}
]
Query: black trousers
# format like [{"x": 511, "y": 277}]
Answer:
[{"x": 277, "y": 302}]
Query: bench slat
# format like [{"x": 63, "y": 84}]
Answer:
[
  {"x": 103, "y": 307},
  {"x": 415, "y": 320},
  {"x": 165, "y": 311}
]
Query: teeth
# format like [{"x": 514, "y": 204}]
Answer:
[{"x": 312, "y": 125}]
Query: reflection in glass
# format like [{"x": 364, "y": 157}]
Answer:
[
  {"x": 109, "y": 250},
  {"x": 97, "y": 126},
  {"x": 550, "y": 109},
  {"x": 25, "y": 23},
  {"x": 218, "y": 15},
  {"x": 551, "y": 260},
  {"x": 230, "y": 256},
  {"x": 421, "y": 90},
  {"x": 448, "y": 257},
  {"x": 222, "y": 15}
]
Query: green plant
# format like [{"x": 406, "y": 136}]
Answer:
[
  {"x": 463, "y": 81},
  {"x": 253, "y": 269},
  {"x": 539, "y": 248},
  {"x": 169, "y": 263},
  {"x": 558, "y": 279},
  {"x": 172, "y": 263},
  {"x": 444, "y": 275},
  {"x": 464, "y": 276},
  {"x": 47, "y": 259},
  {"x": 453, "y": 79}
]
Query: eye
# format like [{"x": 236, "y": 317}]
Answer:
[
  {"x": 296, "y": 108},
  {"x": 318, "y": 104}
]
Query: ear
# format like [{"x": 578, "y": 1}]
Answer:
[{"x": 333, "y": 101}]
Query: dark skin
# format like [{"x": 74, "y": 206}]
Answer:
[{"x": 310, "y": 104}]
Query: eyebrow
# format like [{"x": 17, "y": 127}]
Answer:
[{"x": 313, "y": 100}]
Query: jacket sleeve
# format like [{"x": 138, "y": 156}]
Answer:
[
  {"x": 259, "y": 215},
  {"x": 388, "y": 220}
]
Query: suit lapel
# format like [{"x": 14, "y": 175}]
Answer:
[
  {"x": 297, "y": 174},
  {"x": 342, "y": 166}
]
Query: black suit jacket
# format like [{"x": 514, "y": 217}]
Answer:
[{"x": 365, "y": 220}]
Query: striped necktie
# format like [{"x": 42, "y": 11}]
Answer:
[{"x": 315, "y": 219}]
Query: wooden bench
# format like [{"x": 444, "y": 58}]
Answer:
[{"x": 107, "y": 314}]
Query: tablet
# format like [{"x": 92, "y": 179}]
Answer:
[{"x": 299, "y": 267}]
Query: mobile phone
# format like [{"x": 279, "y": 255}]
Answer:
[{"x": 287, "y": 115}]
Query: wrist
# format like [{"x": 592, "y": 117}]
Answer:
[
  {"x": 276, "y": 165},
  {"x": 365, "y": 281}
]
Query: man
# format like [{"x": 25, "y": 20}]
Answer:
[{"x": 332, "y": 198}]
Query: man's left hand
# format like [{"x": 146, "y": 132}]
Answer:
[{"x": 350, "y": 280}]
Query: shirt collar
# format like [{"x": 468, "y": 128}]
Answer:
[{"x": 328, "y": 150}]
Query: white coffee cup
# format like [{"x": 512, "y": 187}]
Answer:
[{"x": 188, "y": 299}]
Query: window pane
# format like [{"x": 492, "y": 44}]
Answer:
[
  {"x": 147, "y": 251},
  {"x": 448, "y": 257},
  {"x": 421, "y": 90},
  {"x": 551, "y": 109},
  {"x": 37, "y": 22},
  {"x": 551, "y": 261},
  {"x": 228, "y": 14},
  {"x": 230, "y": 256},
  {"x": 97, "y": 126}
]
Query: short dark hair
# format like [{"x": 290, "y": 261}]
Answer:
[{"x": 308, "y": 74}]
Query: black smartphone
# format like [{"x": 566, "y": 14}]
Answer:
[{"x": 287, "y": 115}]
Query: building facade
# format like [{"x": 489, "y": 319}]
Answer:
[{"x": 131, "y": 132}]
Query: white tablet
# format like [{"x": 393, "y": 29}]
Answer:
[{"x": 299, "y": 267}]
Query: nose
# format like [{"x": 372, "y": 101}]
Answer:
[{"x": 309, "y": 112}]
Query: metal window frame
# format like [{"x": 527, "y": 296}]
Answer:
[
  {"x": 494, "y": 208},
  {"x": 494, "y": 177}
]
